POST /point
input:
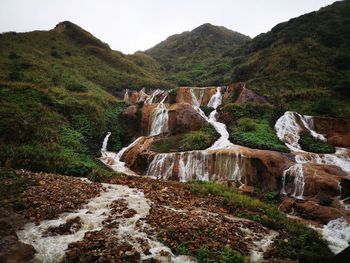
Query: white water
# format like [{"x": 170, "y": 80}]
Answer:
[
  {"x": 52, "y": 248},
  {"x": 337, "y": 233},
  {"x": 288, "y": 129},
  {"x": 149, "y": 99},
  {"x": 143, "y": 95},
  {"x": 126, "y": 96},
  {"x": 297, "y": 172},
  {"x": 105, "y": 141},
  {"x": 197, "y": 165},
  {"x": 160, "y": 119},
  {"x": 117, "y": 165}
]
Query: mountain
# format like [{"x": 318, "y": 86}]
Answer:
[
  {"x": 194, "y": 57},
  {"x": 56, "y": 96},
  {"x": 303, "y": 63}
]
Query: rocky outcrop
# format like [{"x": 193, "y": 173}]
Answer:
[
  {"x": 309, "y": 209},
  {"x": 336, "y": 130},
  {"x": 240, "y": 94},
  {"x": 203, "y": 95},
  {"x": 184, "y": 118}
]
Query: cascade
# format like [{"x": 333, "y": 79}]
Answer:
[
  {"x": 149, "y": 99},
  {"x": 337, "y": 233},
  {"x": 298, "y": 184},
  {"x": 117, "y": 165},
  {"x": 51, "y": 248},
  {"x": 288, "y": 129},
  {"x": 160, "y": 119},
  {"x": 105, "y": 141},
  {"x": 126, "y": 96},
  {"x": 197, "y": 165},
  {"x": 143, "y": 95}
]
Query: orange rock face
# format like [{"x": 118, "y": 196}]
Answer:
[{"x": 336, "y": 130}]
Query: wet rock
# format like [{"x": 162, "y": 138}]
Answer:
[{"x": 70, "y": 227}]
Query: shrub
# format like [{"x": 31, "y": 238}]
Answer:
[
  {"x": 55, "y": 54},
  {"x": 207, "y": 110},
  {"x": 199, "y": 140},
  {"x": 325, "y": 201},
  {"x": 247, "y": 125},
  {"x": 76, "y": 87},
  {"x": 230, "y": 256},
  {"x": 312, "y": 144}
]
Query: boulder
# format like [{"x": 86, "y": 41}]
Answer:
[
  {"x": 184, "y": 118},
  {"x": 311, "y": 210},
  {"x": 336, "y": 130},
  {"x": 243, "y": 95}
]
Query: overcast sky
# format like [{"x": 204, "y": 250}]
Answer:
[{"x": 132, "y": 25}]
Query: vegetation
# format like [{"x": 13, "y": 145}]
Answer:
[
  {"x": 295, "y": 240},
  {"x": 251, "y": 125},
  {"x": 311, "y": 144},
  {"x": 195, "y": 57},
  {"x": 12, "y": 185},
  {"x": 194, "y": 140},
  {"x": 204, "y": 255}
]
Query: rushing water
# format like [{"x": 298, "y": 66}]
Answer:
[
  {"x": 52, "y": 248},
  {"x": 297, "y": 172},
  {"x": 199, "y": 165},
  {"x": 337, "y": 233},
  {"x": 126, "y": 96},
  {"x": 160, "y": 119},
  {"x": 113, "y": 160}
]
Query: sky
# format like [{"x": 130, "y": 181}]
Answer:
[{"x": 131, "y": 25}]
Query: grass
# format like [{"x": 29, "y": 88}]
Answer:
[
  {"x": 295, "y": 241},
  {"x": 204, "y": 255},
  {"x": 194, "y": 140},
  {"x": 251, "y": 125},
  {"x": 311, "y": 144}
]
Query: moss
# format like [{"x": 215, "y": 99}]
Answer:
[{"x": 312, "y": 144}]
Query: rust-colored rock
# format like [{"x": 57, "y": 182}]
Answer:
[
  {"x": 336, "y": 130},
  {"x": 242, "y": 94},
  {"x": 184, "y": 118},
  {"x": 311, "y": 210}
]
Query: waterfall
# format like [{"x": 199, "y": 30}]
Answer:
[
  {"x": 298, "y": 183},
  {"x": 126, "y": 96},
  {"x": 116, "y": 164},
  {"x": 105, "y": 141},
  {"x": 216, "y": 100},
  {"x": 149, "y": 99},
  {"x": 340, "y": 158},
  {"x": 337, "y": 233},
  {"x": 160, "y": 119},
  {"x": 52, "y": 248},
  {"x": 162, "y": 166},
  {"x": 197, "y": 165},
  {"x": 143, "y": 95},
  {"x": 288, "y": 129}
]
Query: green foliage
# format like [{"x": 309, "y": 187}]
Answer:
[
  {"x": 312, "y": 144},
  {"x": 272, "y": 197},
  {"x": 247, "y": 125},
  {"x": 230, "y": 256},
  {"x": 182, "y": 249},
  {"x": 12, "y": 185},
  {"x": 192, "y": 58},
  {"x": 263, "y": 137},
  {"x": 194, "y": 140},
  {"x": 251, "y": 125},
  {"x": 76, "y": 87},
  {"x": 324, "y": 200},
  {"x": 198, "y": 140},
  {"x": 295, "y": 241},
  {"x": 207, "y": 110}
]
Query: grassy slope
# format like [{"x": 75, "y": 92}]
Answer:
[
  {"x": 303, "y": 63},
  {"x": 55, "y": 107},
  {"x": 195, "y": 57}
]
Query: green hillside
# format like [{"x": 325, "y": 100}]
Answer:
[
  {"x": 303, "y": 63},
  {"x": 56, "y": 101},
  {"x": 194, "y": 57}
]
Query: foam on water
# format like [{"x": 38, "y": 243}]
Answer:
[{"x": 337, "y": 233}]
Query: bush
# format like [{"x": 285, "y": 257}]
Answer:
[
  {"x": 325, "y": 201},
  {"x": 199, "y": 140},
  {"x": 76, "y": 87},
  {"x": 263, "y": 137},
  {"x": 247, "y": 125},
  {"x": 311, "y": 144},
  {"x": 207, "y": 110}
]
